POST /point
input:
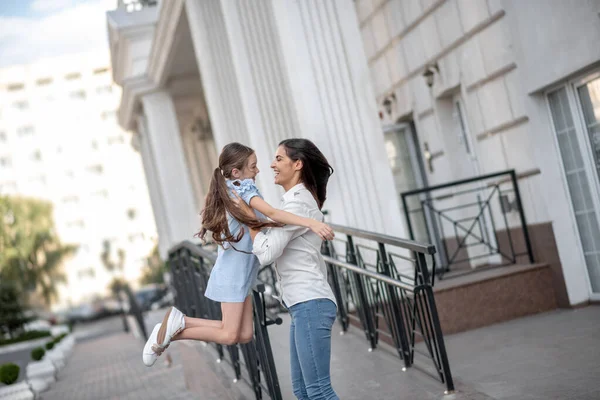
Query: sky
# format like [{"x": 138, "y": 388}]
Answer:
[{"x": 34, "y": 29}]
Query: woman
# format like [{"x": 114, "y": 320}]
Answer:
[
  {"x": 235, "y": 270},
  {"x": 303, "y": 172}
]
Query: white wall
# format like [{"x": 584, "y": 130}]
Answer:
[{"x": 553, "y": 44}]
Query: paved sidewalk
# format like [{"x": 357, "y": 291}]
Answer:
[
  {"x": 548, "y": 356},
  {"x": 111, "y": 367}
]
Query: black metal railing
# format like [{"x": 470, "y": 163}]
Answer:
[
  {"x": 476, "y": 222},
  {"x": 190, "y": 267},
  {"x": 384, "y": 285},
  {"x": 381, "y": 283}
]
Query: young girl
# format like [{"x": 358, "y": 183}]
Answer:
[{"x": 236, "y": 268}]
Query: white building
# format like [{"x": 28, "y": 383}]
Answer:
[
  {"x": 60, "y": 141},
  {"x": 513, "y": 85}
]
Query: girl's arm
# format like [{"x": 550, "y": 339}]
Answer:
[{"x": 284, "y": 217}]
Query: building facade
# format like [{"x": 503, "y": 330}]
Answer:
[
  {"x": 399, "y": 95},
  {"x": 60, "y": 141}
]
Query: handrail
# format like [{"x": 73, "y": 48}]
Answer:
[
  {"x": 456, "y": 183},
  {"x": 370, "y": 274},
  {"x": 385, "y": 239}
]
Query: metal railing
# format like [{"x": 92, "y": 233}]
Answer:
[
  {"x": 383, "y": 284},
  {"x": 190, "y": 267},
  {"x": 471, "y": 221},
  {"x": 388, "y": 293}
]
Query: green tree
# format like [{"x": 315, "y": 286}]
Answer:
[
  {"x": 155, "y": 268},
  {"x": 31, "y": 254},
  {"x": 11, "y": 311}
]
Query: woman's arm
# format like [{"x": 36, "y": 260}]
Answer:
[{"x": 284, "y": 217}]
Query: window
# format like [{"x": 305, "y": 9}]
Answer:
[
  {"x": 15, "y": 87},
  {"x": 73, "y": 76},
  {"x": 131, "y": 213},
  {"x": 2, "y": 137},
  {"x": 44, "y": 81},
  {"x": 25, "y": 130},
  {"x": 70, "y": 174},
  {"x": 77, "y": 94},
  {"x": 100, "y": 71},
  {"x": 116, "y": 139},
  {"x": 21, "y": 105},
  {"x": 36, "y": 155},
  {"x": 94, "y": 145},
  {"x": 95, "y": 169},
  {"x": 104, "y": 89},
  {"x": 108, "y": 115},
  {"x": 5, "y": 161},
  {"x": 78, "y": 223},
  {"x": 136, "y": 236},
  {"x": 73, "y": 199},
  {"x": 102, "y": 194}
]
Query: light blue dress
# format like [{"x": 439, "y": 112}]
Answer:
[{"x": 234, "y": 273}]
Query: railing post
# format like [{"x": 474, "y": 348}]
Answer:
[
  {"x": 337, "y": 290},
  {"x": 432, "y": 321},
  {"x": 393, "y": 307},
  {"x": 263, "y": 343},
  {"x": 513, "y": 178},
  {"x": 364, "y": 306},
  {"x": 407, "y": 215}
]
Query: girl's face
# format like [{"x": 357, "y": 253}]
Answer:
[{"x": 249, "y": 171}]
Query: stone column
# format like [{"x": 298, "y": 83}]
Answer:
[
  {"x": 141, "y": 137},
  {"x": 167, "y": 171}
]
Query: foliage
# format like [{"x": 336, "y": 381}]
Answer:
[
  {"x": 154, "y": 270},
  {"x": 50, "y": 345},
  {"x": 29, "y": 335},
  {"x": 9, "y": 373},
  {"x": 31, "y": 255},
  {"x": 38, "y": 353},
  {"x": 12, "y": 318}
]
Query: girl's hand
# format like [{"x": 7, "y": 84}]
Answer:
[
  {"x": 243, "y": 207},
  {"x": 322, "y": 229}
]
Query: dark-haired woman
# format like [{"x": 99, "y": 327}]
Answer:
[
  {"x": 235, "y": 270},
  {"x": 303, "y": 172}
]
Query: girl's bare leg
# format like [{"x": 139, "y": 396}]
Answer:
[
  {"x": 191, "y": 322},
  {"x": 229, "y": 331}
]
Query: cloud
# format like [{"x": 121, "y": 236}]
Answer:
[
  {"x": 49, "y": 5},
  {"x": 75, "y": 29}
]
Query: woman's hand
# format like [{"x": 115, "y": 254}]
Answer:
[
  {"x": 243, "y": 207},
  {"x": 322, "y": 229}
]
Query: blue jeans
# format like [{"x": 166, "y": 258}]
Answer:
[{"x": 310, "y": 349}]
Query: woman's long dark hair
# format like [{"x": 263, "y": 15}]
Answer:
[
  {"x": 218, "y": 202},
  {"x": 315, "y": 171}
]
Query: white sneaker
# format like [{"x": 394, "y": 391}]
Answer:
[
  {"x": 151, "y": 349},
  {"x": 161, "y": 335}
]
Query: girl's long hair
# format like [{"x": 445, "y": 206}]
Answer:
[
  {"x": 218, "y": 201},
  {"x": 315, "y": 171}
]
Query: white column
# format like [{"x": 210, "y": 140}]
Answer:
[
  {"x": 151, "y": 181},
  {"x": 168, "y": 166}
]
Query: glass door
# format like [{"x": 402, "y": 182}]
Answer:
[
  {"x": 575, "y": 112},
  {"x": 588, "y": 101}
]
